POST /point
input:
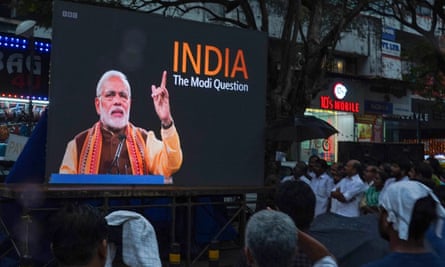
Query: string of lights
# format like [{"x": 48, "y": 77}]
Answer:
[
  {"x": 11, "y": 41},
  {"x": 22, "y": 44}
]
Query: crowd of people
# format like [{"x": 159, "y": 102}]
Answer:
[
  {"x": 407, "y": 200},
  {"x": 352, "y": 188}
]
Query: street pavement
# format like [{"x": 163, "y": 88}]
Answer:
[{"x": 229, "y": 254}]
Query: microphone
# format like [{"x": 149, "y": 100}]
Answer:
[{"x": 115, "y": 161}]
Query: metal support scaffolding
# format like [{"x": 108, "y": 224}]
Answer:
[{"x": 234, "y": 197}]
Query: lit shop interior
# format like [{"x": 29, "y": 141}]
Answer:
[{"x": 23, "y": 97}]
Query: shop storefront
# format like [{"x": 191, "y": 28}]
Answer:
[
  {"x": 327, "y": 148},
  {"x": 338, "y": 105},
  {"x": 425, "y": 125},
  {"x": 23, "y": 97},
  {"x": 362, "y": 115}
]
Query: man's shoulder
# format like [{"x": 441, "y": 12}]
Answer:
[
  {"x": 390, "y": 181},
  {"x": 326, "y": 176},
  {"x": 325, "y": 179},
  {"x": 287, "y": 178},
  {"x": 140, "y": 130},
  {"x": 356, "y": 179}
]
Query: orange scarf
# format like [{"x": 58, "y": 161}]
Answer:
[{"x": 91, "y": 150}]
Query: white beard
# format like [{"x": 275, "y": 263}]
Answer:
[{"x": 115, "y": 123}]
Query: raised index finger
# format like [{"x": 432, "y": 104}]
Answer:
[{"x": 164, "y": 79}]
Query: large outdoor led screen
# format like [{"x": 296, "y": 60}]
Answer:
[{"x": 216, "y": 79}]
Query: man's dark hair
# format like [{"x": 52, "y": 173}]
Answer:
[
  {"x": 435, "y": 164},
  {"x": 313, "y": 157},
  {"x": 383, "y": 175},
  {"x": 302, "y": 166},
  {"x": 424, "y": 169},
  {"x": 296, "y": 199},
  {"x": 357, "y": 165},
  {"x": 77, "y": 231},
  {"x": 386, "y": 167},
  {"x": 322, "y": 163},
  {"x": 426, "y": 174},
  {"x": 404, "y": 165},
  {"x": 424, "y": 213}
]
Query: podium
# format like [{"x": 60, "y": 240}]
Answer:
[{"x": 106, "y": 179}]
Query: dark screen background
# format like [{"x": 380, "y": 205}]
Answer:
[{"x": 221, "y": 133}]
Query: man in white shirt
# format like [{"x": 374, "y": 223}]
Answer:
[
  {"x": 299, "y": 173},
  {"x": 347, "y": 194},
  {"x": 322, "y": 185},
  {"x": 311, "y": 162}
]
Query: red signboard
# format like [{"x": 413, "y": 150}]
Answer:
[{"x": 326, "y": 102}]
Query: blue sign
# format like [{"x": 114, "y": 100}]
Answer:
[
  {"x": 391, "y": 48},
  {"x": 377, "y": 107},
  {"x": 388, "y": 33}
]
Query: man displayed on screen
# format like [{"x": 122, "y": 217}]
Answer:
[{"x": 113, "y": 145}]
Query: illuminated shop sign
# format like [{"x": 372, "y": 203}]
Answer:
[
  {"x": 391, "y": 48},
  {"x": 340, "y": 91},
  {"x": 15, "y": 66}
]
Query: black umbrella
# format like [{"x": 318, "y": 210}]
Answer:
[
  {"x": 300, "y": 128},
  {"x": 353, "y": 241}
]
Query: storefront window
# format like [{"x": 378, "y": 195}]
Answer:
[
  {"x": 368, "y": 128},
  {"x": 326, "y": 148}
]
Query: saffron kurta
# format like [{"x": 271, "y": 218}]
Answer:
[{"x": 92, "y": 152}]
